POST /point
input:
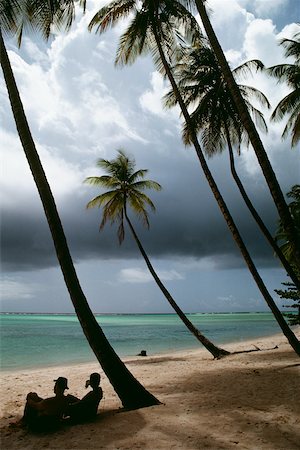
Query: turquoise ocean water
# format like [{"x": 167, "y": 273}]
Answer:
[{"x": 41, "y": 340}]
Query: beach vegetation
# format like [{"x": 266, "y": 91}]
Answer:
[
  {"x": 42, "y": 14},
  {"x": 291, "y": 293},
  {"x": 125, "y": 192}
]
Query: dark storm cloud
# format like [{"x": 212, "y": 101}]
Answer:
[{"x": 187, "y": 223}]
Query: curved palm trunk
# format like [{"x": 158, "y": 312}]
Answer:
[
  {"x": 254, "y": 137},
  {"x": 257, "y": 217},
  {"x": 132, "y": 394},
  {"x": 214, "y": 350},
  {"x": 223, "y": 207}
]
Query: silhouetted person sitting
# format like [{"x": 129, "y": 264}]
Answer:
[
  {"x": 46, "y": 414},
  {"x": 86, "y": 408}
]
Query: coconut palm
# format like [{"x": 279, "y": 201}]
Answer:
[
  {"x": 202, "y": 86},
  {"x": 254, "y": 137},
  {"x": 126, "y": 189},
  {"x": 152, "y": 29},
  {"x": 289, "y": 74},
  {"x": 132, "y": 394}
]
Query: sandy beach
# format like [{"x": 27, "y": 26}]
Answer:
[{"x": 244, "y": 401}]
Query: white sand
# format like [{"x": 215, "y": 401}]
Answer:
[{"x": 244, "y": 401}]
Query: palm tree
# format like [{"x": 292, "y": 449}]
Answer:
[
  {"x": 290, "y": 74},
  {"x": 126, "y": 188},
  {"x": 152, "y": 29},
  {"x": 132, "y": 394},
  {"x": 202, "y": 86},
  {"x": 254, "y": 137}
]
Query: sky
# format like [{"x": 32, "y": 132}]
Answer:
[{"x": 80, "y": 108}]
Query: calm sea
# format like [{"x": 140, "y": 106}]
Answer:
[{"x": 40, "y": 340}]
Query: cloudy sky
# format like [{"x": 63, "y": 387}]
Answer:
[{"x": 81, "y": 108}]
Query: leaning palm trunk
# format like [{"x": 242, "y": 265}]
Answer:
[
  {"x": 213, "y": 349},
  {"x": 222, "y": 205},
  {"x": 132, "y": 394},
  {"x": 254, "y": 137},
  {"x": 257, "y": 217}
]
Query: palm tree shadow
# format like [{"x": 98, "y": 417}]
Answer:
[{"x": 107, "y": 429}]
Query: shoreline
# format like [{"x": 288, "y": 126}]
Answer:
[
  {"x": 244, "y": 401},
  {"x": 225, "y": 344},
  {"x": 128, "y": 358}
]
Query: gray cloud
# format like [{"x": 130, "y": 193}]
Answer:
[{"x": 187, "y": 221}]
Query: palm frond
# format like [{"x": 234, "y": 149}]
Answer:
[
  {"x": 138, "y": 174},
  {"x": 109, "y": 15},
  {"x": 10, "y": 10},
  {"x": 257, "y": 116},
  {"x": 286, "y": 105},
  {"x": 292, "y": 125},
  {"x": 290, "y": 74},
  {"x": 43, "y": 14},
  {"x": 296, "y": 130},
  {"x": 142, "y": 198},
  {"x": 121, "y": 228},
  {"x": 248, "y": 67},
  {"x": 278, "y": 71},
  {"x": 292, "y": 46},
  {"x": 134, "y": 41},
  {"x": 137, "y": 204},
  {"x": 249, "y": 91},
  {"x": 102, "y": 181},
  {"x": 101, "y": 199},
  {"x": 146, "y": 184},
  {"x": 17, "y": 15}
]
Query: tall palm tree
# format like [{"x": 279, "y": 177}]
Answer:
[
  {"x": 126, "y": 189},
  {"x": 290, "y": 74},
  {"x": 203, "y": 87},
  {"x": 132, "y": 394},
  {"x": 152, "y": 29},
  {"x": 254, "y": 137}
]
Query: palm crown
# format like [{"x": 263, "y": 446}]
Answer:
[
  {"x": 164, "y": 18},
  {"x": 202, "y": 85},
  {"x": 41, "y": 15},
  {"x": 289, "y": 73},
  {"x": 126, "y": 188}
]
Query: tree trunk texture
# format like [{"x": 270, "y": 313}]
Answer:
[{"x": 131, "y": 393}]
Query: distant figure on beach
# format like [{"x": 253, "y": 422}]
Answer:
[
  {"x": 46, "y": 414},
  {"x": 86, "y": 408}
]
